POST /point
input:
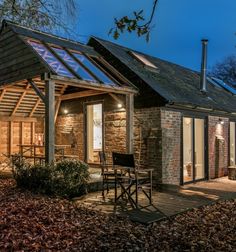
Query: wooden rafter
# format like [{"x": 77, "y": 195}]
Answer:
[
  {"x": 35, "y": 107},
  {"x": 81, "y": 94},
  {"x": 20, "y": 99},
  {"x": 2, "y": 94}
]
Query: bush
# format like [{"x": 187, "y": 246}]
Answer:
[
  {"x": 71, "y": 178},
  {"x": 68, "y": 178}
]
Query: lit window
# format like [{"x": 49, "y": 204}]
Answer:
[
  {"x": 143, "y": 59},
  {"x": 52, "y": 61}
]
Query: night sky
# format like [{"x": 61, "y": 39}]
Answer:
[{"x": 179, "y": 27}]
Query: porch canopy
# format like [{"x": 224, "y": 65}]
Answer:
[{"x": 38, "y": 71}]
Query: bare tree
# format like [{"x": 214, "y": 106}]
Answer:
[
  {"x": 39, "y": 14},
  {"x": 225, "y": 70},
  {"x": 61, "y": 14},
  {"x": 135, "y": 23}
]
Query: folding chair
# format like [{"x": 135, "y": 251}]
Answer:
[
  {"x": 108, "y": 175},
  {"x": 132, "y": 179}
]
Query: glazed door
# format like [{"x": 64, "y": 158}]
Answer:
[
  {"x": 94, "y": 132},
  {"x": 193, "y": 149}
]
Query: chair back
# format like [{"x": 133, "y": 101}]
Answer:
[
  {"x": 126, "y": 160},
  {"x": 102, "y": 157}
]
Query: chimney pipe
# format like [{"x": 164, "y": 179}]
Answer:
[{"x": 203, "y": 82}]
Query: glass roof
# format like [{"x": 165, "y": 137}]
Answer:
[
  {"x": 52, "y": 61},
  {"x": 70, "y": 63}
]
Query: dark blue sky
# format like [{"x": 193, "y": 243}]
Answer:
[{"x": 179, "y": 27}]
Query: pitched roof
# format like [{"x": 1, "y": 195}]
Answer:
[
  {"x": 55, "y": 55},
  {"x": 174, "y": 83}
]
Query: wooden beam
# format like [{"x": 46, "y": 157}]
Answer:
[
  {"x": 129, "y": 123},
  {"x": 49, "y": 121},
  {"x": 58, "y": 103},
  {"x": 81, "y": 94},
  {"x": 93, "y": 85},
  {"x": 116, "y": 98},
  {"x": 2, "y": 94},
  {"x": 20, "y": 99},
  {"x": 17, "y": 119},
  {"x": 35, "y": 107},
  {"x": 10, "y": 137},
  {"x": 37, "y": 90},
  {"x": 32, "y": 132},
  {"x": 22, "y": 133},
  {"x": 21, "y": 90}
]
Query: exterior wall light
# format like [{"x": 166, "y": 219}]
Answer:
[
  {"x": 221, "y": 121},
  {"x": 65, "y": 111},
  {"x": 119, "y": 105}
]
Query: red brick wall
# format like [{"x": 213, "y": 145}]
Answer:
[{"x": 218, "y": 146}]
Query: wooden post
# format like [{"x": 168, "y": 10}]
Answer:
[
  {"x": 49, "y": 120},
  {"x": 10, "y": 137},
  {"x": 130, "y": 123}
]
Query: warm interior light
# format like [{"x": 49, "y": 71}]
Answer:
[
  {"x": 65, "y": 111},
  {"x": 119, "y": 105}
]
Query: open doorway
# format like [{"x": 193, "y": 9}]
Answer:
[{"x": 94, "y": 132}]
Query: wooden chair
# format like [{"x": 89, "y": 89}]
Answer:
[
  {"x": 133, "y": 180},
  {"x": 108, "y": 175}
]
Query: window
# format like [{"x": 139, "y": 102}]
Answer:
[
  {"x": 143, "y": 59},
  {"x": 52, "y": 61},
  {"x": 73, "y": 64},
  {"x": 62, "y": 61},
  {"x": 94, "y": 132},
  {"x": 93, "y": 68},
  {"x": 232, "y": 143}
]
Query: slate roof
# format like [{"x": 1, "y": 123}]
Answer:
[{"x": 176, "y": 84}]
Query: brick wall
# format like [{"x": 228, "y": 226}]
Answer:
[
  {"x": 147, "y": 140},
  {"x": 218, "y": 146},
  {"x": 70, "y": 131},
  {"x": 171, "y": 146}
]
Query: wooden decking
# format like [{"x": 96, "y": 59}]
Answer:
[{"x": 166, "y": 203}]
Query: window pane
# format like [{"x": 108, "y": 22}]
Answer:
[
  {"x": 94, "y": 132},
  {"x": 232, "y": 143},
  {"x": 187, "y": 149},
  {"x": 199, "y": 149},
  {"x": 52, "y": 61},
  {"x": 73, "y": 64},
  {"x": 93, "y": 68}
]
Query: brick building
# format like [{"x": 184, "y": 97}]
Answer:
[{"x": 111, "y": 98}]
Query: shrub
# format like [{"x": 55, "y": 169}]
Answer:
[
  {"x": 67, "y": 178},
  {"x": 71, "y": 178}
]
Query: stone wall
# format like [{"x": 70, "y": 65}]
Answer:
[{"x": 218, "y": 146}]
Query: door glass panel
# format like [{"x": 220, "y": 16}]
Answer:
[
  {"x": 94, "y": 132},
  {"x": 232, "y": 143},
  {"x": 199, "y": 149},
  {"x": 187, "y": 149}
]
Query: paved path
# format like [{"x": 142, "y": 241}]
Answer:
[{"x": 167, "y": 203}]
